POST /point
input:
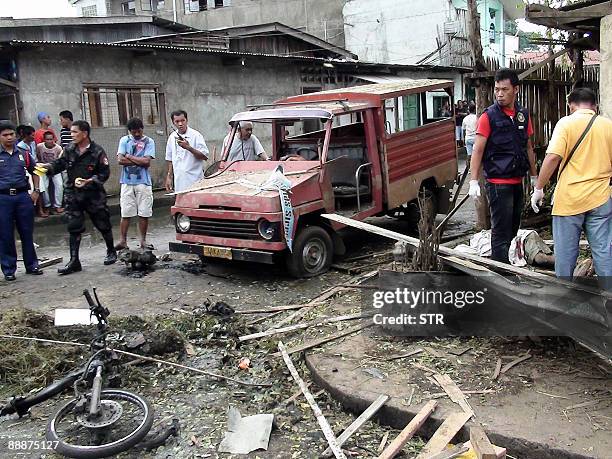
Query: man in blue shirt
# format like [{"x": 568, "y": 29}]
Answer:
[
  {"x": 135, "y": 153},
  {"x": 16, "y": 205}
]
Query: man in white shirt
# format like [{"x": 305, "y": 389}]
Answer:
[
  {"x": 469, "y": 129},
  {"x": 245, "y": 146},
  {"x": 186, "y": 152}
]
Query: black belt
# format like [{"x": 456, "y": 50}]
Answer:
[{"x": 14, "y": 191}]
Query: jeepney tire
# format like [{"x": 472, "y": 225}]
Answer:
[
  {"x": 313, "y": 252},
  {"x": 412, "y": 213}
]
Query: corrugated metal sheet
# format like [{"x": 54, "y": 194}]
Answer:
[
  {"x": 160, "y": 47},
  {"x": 390, "y": 87},
  {"x": 418, "y": 149}
]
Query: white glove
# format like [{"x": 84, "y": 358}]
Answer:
[
  {"x": 537, "y": 198},
  {"x": 474, "y": 191},
  {"x": 534, "y": 181}
]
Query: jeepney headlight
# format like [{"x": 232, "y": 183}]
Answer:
[
  {"x": 182, "y": 223},
  {"x": 266, "y": 229}
]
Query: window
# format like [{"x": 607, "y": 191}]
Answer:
[
  {"x": 218, "y": 3},
  {"x": 91, "y": 10},
  {"x": 113, "y": 106},
  {"x": 147, "y": 5},
  {"x": 195, "y": 6},
  {"x": 128, "y": 8}
]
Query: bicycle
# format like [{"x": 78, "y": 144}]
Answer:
[{"x": 97, "y": 422}]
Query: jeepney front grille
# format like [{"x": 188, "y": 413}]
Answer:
[{"x": 215, "y": 227}]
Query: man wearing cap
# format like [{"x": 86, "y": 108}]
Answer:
[
  {"x": 45, "y": 126},
  {"x": 16, "y": 206}
]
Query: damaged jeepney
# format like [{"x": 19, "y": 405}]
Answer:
[{"x": 361, "y": 151}]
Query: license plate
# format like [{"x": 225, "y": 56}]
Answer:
[{"x": 217, "y": 252}]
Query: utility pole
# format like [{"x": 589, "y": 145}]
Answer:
[{"x": 483, "y": 100}]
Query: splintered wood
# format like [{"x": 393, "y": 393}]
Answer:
[
  {"x": 357, "y": 423},
  {"x": 408, "y": 432},
  {"x": 481, "y": 444},
  {"x": 325, "y": 427},
  {"x": 445, "y": 433},
  {"x": 454, "y": 393}
]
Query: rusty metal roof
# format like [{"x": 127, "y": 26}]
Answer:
[
  {"x": 384, "y": 89},
  {"x": 282, "y": 113}
]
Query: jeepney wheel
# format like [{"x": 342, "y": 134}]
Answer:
[
  {"x": 411, "y": 213},
  {"x": 312, "y": 253}
]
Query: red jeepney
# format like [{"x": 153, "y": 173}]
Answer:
[{"x": 361, "y": 151}]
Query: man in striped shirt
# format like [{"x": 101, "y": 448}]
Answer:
[{"x": 65, "y": 122}]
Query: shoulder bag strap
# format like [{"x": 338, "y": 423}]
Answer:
[{"x": 580, "y": 139}]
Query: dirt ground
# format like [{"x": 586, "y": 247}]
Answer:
[{"x": 200, "y": 402}]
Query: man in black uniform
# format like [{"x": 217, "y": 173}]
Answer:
[
  {"x": 87, "y": 166},
  {"x": 16, "y": 206}
]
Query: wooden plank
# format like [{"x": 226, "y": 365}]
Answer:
[
  {"x": 319, "y": 341},
  {"x": 450, "y": 453},
  {"x": 361, "y": 420},
  {"x": 448, "y": 252},
  {"x": 515, "y": 362},
  {"x": 444, "y": 434},
  {"x": 403, "y": 356},
  {"x": 481, "y": 444},
  {"x": 325, "y": 427},
  {"x": 288, "y": 307},
  {"x": 498, "y": 366},
  {"x": 408, "y": 432},
  {"x": 50, "y": 261},
  {"x": 327, "y": 320},
  {"x": 499, "y": 451},
  {"x": 541, "y": 64},
  {"x": 454, "y": 393}
]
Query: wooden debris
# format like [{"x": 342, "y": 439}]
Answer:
[
  {"x": 459, "y": 352},
  {"x": 383, "y": 443},
  {"x": 264, "y": 318},
  {"x": 507, "y": 366},
  {"x": 450, "y": 453},
  {"x": 275, "y": 331},
  {"x": 551, "y": 395},
  {"x": 481, "y": 444},
  {"x": 433, "y": 352},
  {"x": 403, "y": 356},
  {"x": 325, "y": 427},
  {"x": 499, "y": 451},
  {"x": 357, "y": 423},
  {"x": 454, "y": 393},
  {"x": 584, "y": 404},
  {"x": 325, "y": 296},
  {"x": 288, "y": 307},
  {"x": 408, "y": 432},
  {"x": 294, "y": 397},
  {"x": 422, "y": 367},
  {"x": 444, "y": 434},
  {"x": 470, "y": 392},
  {"x": 411, "y": 395},
  {"x": 326, "y": 339},
  {"x": 498, "y": 366},
  {"x": 50, "y": 262}
]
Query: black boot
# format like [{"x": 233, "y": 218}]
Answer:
[
  {"x": 74, "y": 264},
  {"x": 111, "y": 253}
]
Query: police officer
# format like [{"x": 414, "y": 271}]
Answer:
[
  {"x": 16, "y": 205},
  {"x": 87, "y": 166},
  {"x": 504, "y": 150}
]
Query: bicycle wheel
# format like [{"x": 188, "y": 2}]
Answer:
[{"x": 125, "y": 420}]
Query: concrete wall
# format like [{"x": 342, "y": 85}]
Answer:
[
  {"x": 388, "y": 31},
  {"x": 209, "y": 88},
  {"x": 605, "y": 69},
  {"x": 321, "y": 18}
]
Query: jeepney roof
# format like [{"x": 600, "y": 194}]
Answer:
[
  {"x": 311, "y": 110},
  {"x": 379, "y": 91}
]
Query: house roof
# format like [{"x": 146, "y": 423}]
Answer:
[
  {"x": 94, "y": 20},
  {"x": 278, "y": 28},
  {"x": 153, "y": 46},
  {"x": 581, "y": 16}
]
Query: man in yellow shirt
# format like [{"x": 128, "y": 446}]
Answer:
[{"x": 582, "y": 195}]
